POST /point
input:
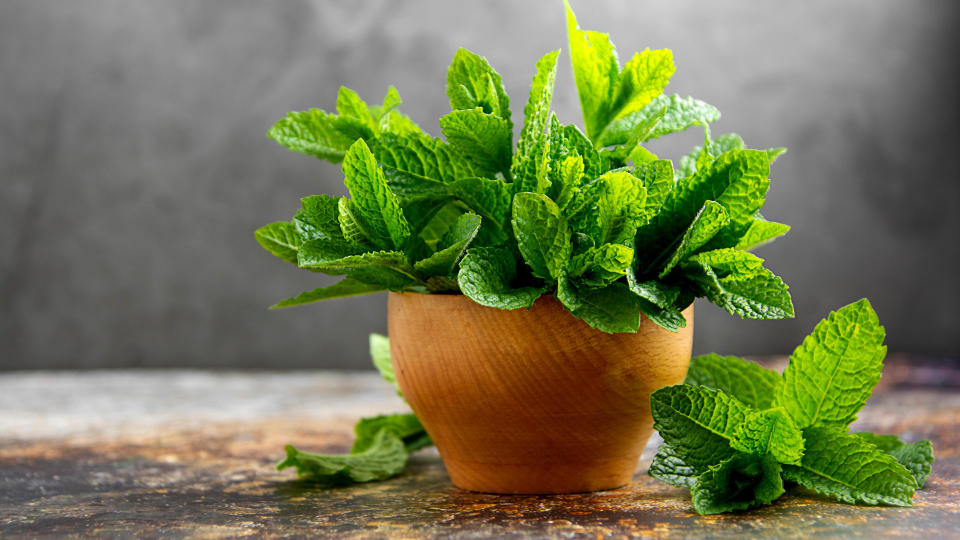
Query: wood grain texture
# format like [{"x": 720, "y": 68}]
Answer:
[{"x": 531, "y": 401}]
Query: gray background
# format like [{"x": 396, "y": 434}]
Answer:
[{"x": 134, "y": 165}]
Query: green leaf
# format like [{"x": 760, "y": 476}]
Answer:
[
  {"x": 668, "y": 466},
  {"x": 443, "y": 262},
  {"x": 489, "y": 198},
  {"x": 769, "y": 432},
  {"x": 542, "y": 235},
  {"x": 377, "y": 208},
  {"x": 656, "y": 292},
  {"x": 737, "y": 483},
  {"x": 567, "y": 186},
  {"x": 334, "y": 256},
  {"x": 596, "y": 71},
  {"x": 643, "y": 78},
  {"x": 281, "y": 239},
  {"x": 738, "y": 378},
  {"x": 485, "y": 277},
  {"x": 602, "y": 265},
  {"x": 349, "y": 105},
  {"x": 630, "y": 130},
  {"x": 697, "y": 422},
  {"x": 737, "y": 180},
  {"x": 384, "y": 457},
  {"x": 708, "y": 222},
  {"x": 384, "y": 277},
  {"x": 916, "y": 457},
  {"x": 658, "y": 179},
  {"x": 471, "y": 83},
  {"x": 313, "y": 132},
  {"x": 610, "y": 309},
  {"x": 418, "y": 165},
  {"x": 536, "y": 113},
  {"x": 736, "y": 281},
  {"x": 850, "y": 469},
  {"x": 617, "y": 209},
  {"x": 343, "y": 288},
  {"x": 405, "y": 426},
  {"x": 351, "y": 228},
  {"x": 832, "y": 373},
  {"x": 679, "y": 114},
  {"x": 761, "y": 232},
  {"x": 483, "y": 139},
  {"x": 380, "y": 355},
  {"x": 318, "y": 218}
]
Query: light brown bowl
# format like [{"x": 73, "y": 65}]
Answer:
[{"x": 531, "y": 401}]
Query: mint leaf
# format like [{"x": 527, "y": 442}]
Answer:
[
  {"x": 383, "y": 457},
  {"x": 471, "y": 83},
  {"x": 485, "y": 277},
  {"x": 455, "y": 243},
  {"x": 610, "y": 309},
  {"x": 643, "y": 78},
  {"x": 850, "y": 469},
  {"x": 380, "y": 355},
  {"x": 707, "y": 223},
  {"x": 536, "y": 112},
  {"x": 414, "y": 165},
  {"x": 489, "y": 198},
  {"x": 658, "y": 179},
  {"x": 313, "y": 132},
  {"x": 916, "y": 457},
  {"x": 543, "y": 237},
  {"x": 318, "y": 218},
  {"x": 378, "y": 209},
  {"x": 602, "y": 265},
  {"x": 281, "y": 239},
  {"x": 343, "y": 288},
  {"x": 349, "y": 105},
  {"x": 668, "y": 466},
  {"x": 352, "y": 229},
  {"x": 760, "y": 232},
  {"x": 679, "y": 114},
  {"x": 595, "y": 70},
  {"x": 737, "y": 282},
  {"x": 769, "y": 432},
  {"x": 739, "y": 482},
  {"x": 566, "y": 188},
  {"x": 736, "y": 377},
  {"x": 619, "y": 200},
  {"x": 405, "y": 426},
  {"x": 697, "y": 422},
  {"x": 832, "y": 373},
  {"x": 483, "y": 139}
]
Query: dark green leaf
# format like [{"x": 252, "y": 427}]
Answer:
[
  {"x": 343, "y": 288},
  {"x": 485, "y": 277},
  {"x": 610, "y": 309},
  {"x": 668, "y": 466},
  {"x": 443, "y": 262},
  {"x": 737, "y": 483}
]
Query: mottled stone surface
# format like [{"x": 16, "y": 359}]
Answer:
[{"x": 205, "y": 468}]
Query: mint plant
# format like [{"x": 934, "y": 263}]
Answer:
[
  {"x": 590, "y": 216},
  {"x": 735, "y": 432}
]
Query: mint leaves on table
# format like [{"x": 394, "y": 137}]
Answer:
[
  {"x": 590, "y": 216},
  {"x": 734, "y": 432},
  {"x": 382, "y": 444}
]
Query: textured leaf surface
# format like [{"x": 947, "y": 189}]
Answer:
[
  {"x": 708, "y": 222},
  {"x": 377, "y": 207},
  {"x": 658, "y": 179},
  {"x": 405, "y": 426},
  {"x": 850, "y": 469},
  {"x": 769, "y": 432},
  {"x": 760, "y": 232},
  {"x": 384, "y": 457},
  {"x": 737, "y": 282},
  {"x": 596, "y": 70},
  {"x": 536, "y": 112},
  {"x": 643, "y": 78},
  {"x": 485, "y": 277},
  {"x": 483, "y": 139},
  {"x": 610, "y": 309},
  {"x": 281, "y": 239},
  {"x": 916, "y": 457},
  {"x": 313, "y": 132},
  {"x": 542, "y": 235},
  {"x": 698, "y": 422},
  {"x": 455, "y": 243},
  {"x": 737, "y": 483},
  {"x": 415, "y": 164},
  {"x": 680, "y": 113},
  {"x": 472, "y": 82},
  {"x": 318, "y": 218},
  {"x": 832, "y": 373},
  {"x": 669, "y": 466},
  {"x": 343, "y": 288},
  {"x": 599, "y": 266},
  {"x": 738, "y": 378}
]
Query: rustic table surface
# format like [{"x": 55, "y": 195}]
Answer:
[{"x": 191, "y": 453}]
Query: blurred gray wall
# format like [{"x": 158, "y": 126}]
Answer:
[{"x": 134, "y": 166}]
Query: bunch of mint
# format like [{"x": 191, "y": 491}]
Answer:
[
  {"x": 592, "y": 217},
  {"x": 382, "y": 444},
  {"x": 735, "y": 432}
]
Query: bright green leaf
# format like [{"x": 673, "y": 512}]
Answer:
[
  {"x": 343, "y": 288},
  {"x": 377, "y": 208},
  {"x": 485, "y": 277},
  {"x": 542, "y": 235},
  {"x": 736, "y": 377}
]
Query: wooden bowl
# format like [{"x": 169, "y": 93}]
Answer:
[{"x": 531, "y": 401}]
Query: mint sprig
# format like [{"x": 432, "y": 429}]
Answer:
[
  {"x": 382, "y": 444},
  {"x": 734, "y": 432},
  {"x": 588, "y": 215}
]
